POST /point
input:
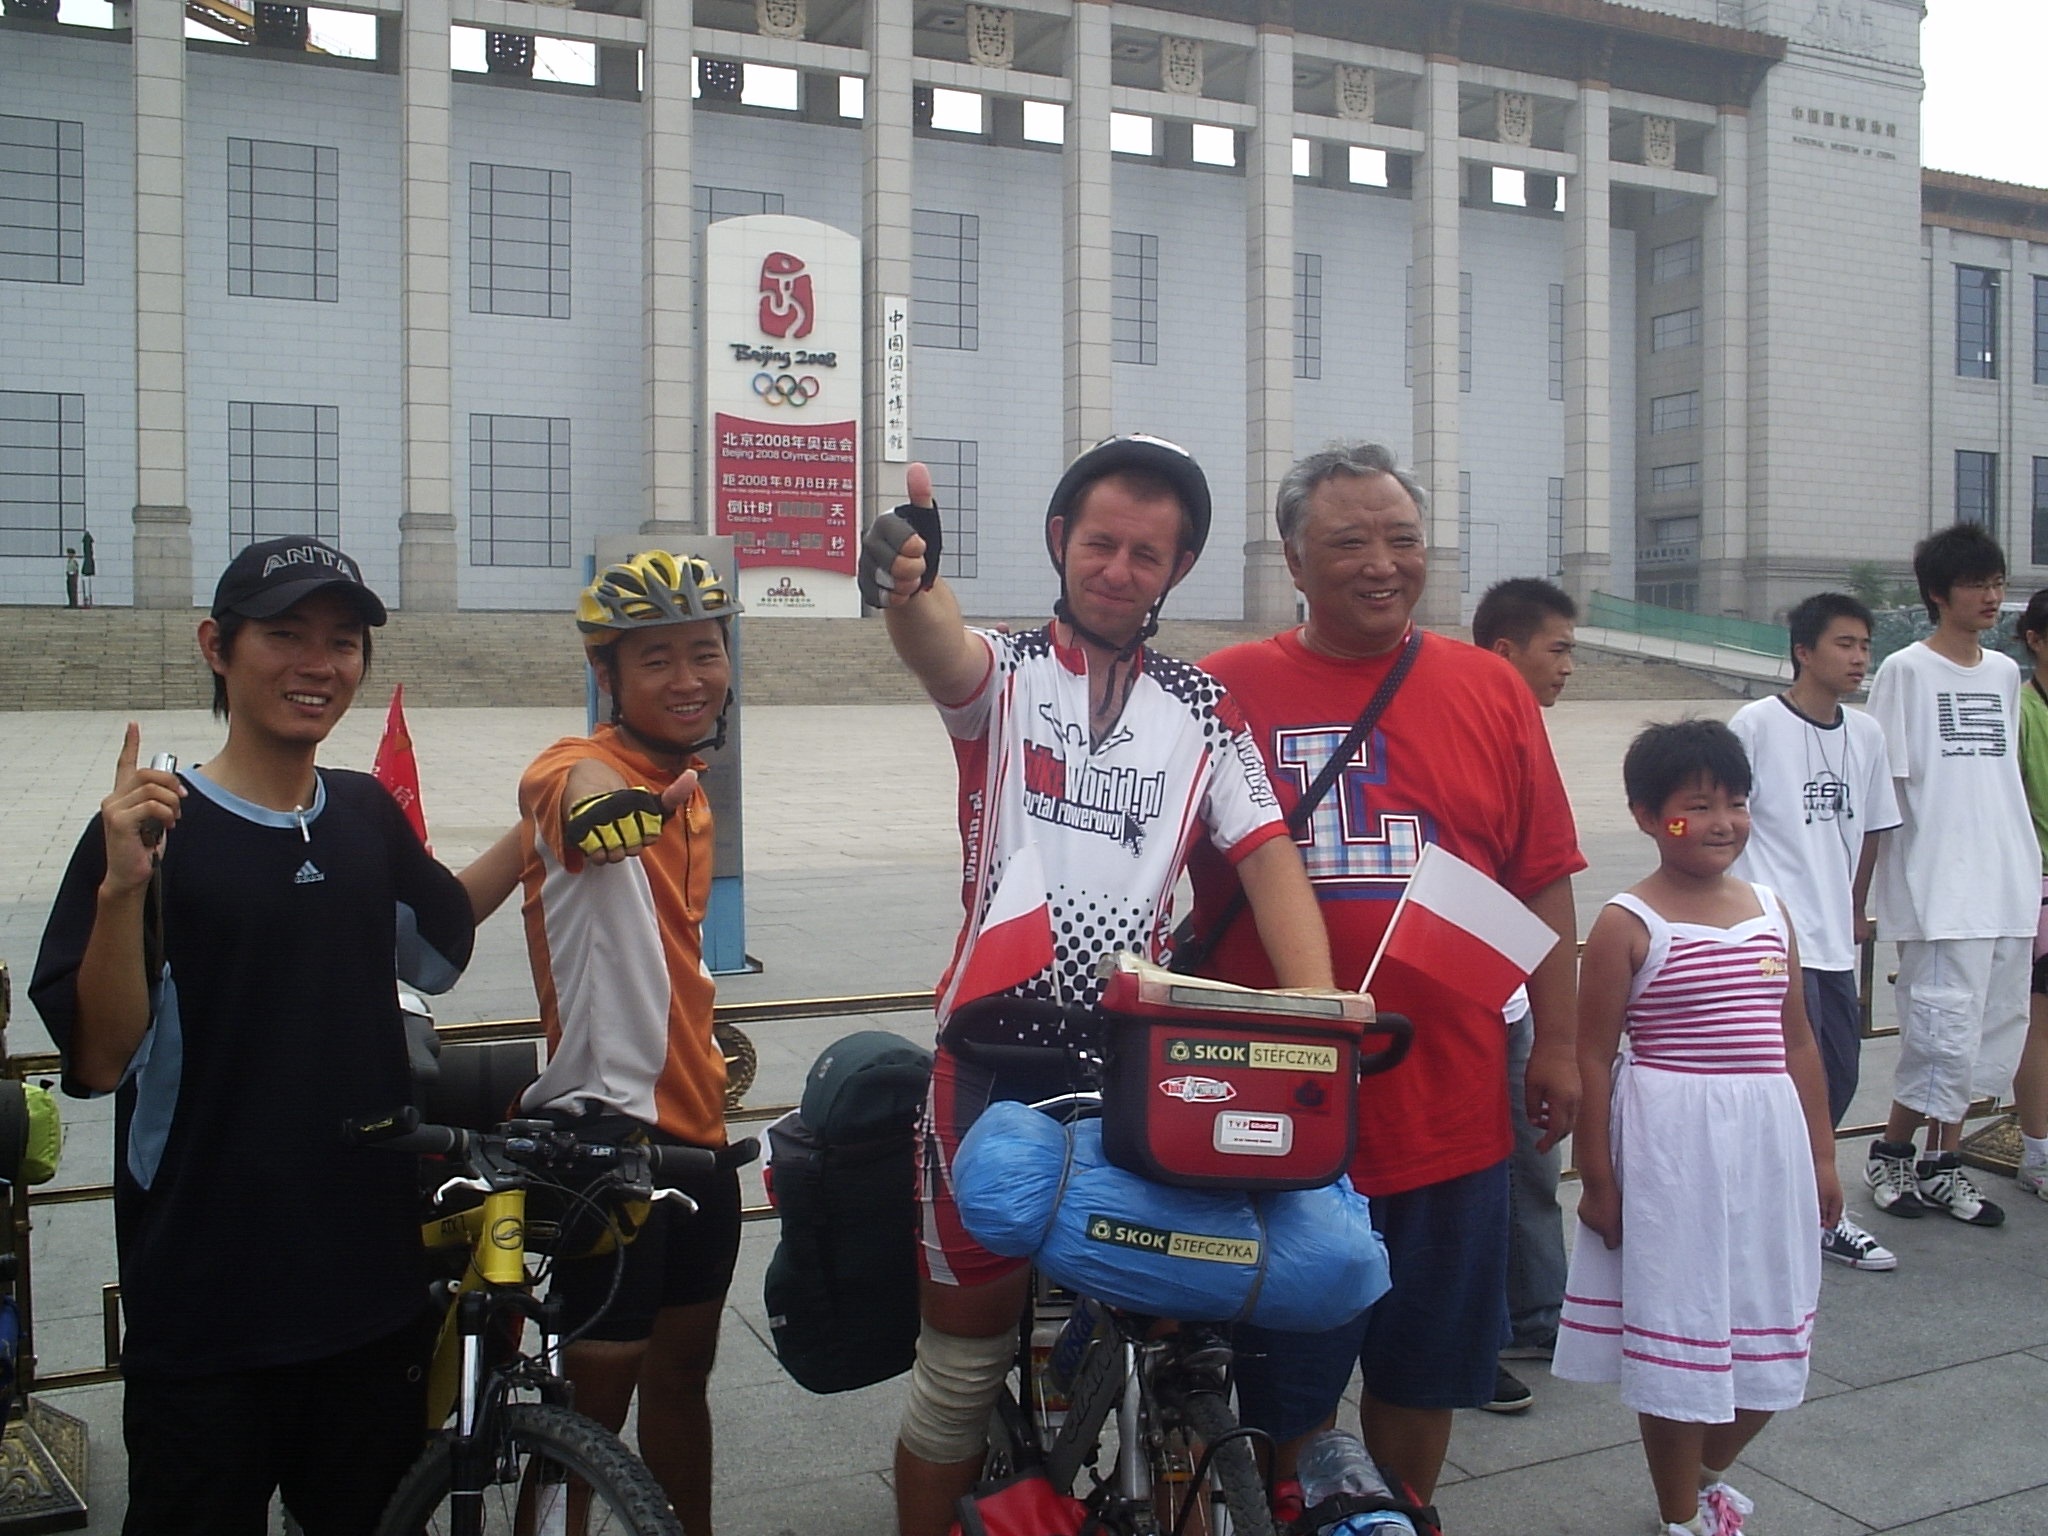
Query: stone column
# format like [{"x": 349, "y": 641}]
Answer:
[
  {"x": 885, "y": 215},
  {"x": 668, "y": 365},
  {"x": 426, "y": 526},
  {"x": 162, "y": 533},
  {"x": 1085, "y": 287},
  {"x": 1269, "y": 315},
  {"x": 1724, "y": 385},
  {"x": 1588, "y": 339},
  {"x": 1434, "y": 209}
]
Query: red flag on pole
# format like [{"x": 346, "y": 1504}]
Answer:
[{"x": 397, "y": 769}]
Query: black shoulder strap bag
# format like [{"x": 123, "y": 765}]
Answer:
[{"x": 1192, "y": 950}]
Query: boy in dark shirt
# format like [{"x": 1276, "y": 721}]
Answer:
[{"x": 272, "y": 1277}]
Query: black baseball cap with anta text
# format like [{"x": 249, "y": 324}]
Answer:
[{"x": 267, "y": 578}]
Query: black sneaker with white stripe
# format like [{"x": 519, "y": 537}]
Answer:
[{"x": 1847, "y": 1243}]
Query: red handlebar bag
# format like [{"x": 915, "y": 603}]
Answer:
[{"x": 1210, "y": 1086}]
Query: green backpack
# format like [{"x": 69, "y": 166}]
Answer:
[
  {"x": 31, "y": 1133},
  {"x": 841, "y": 1290}
]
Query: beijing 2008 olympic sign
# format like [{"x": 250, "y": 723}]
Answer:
[{"x": 782, "y": 417}]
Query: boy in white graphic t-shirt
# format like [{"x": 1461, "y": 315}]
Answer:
[
  {"x": 1822, "y": 793},
  {"x": 1956, "y": 883}
]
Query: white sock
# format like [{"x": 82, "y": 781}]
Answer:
[{"x": 2036, "y": 1152}]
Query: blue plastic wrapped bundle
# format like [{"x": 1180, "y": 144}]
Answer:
[{"x": 1031, "y": 1188}]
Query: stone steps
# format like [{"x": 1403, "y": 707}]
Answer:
[{"x": 124, "y": 658}]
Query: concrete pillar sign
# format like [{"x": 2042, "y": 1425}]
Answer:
[
  {"x": 426, "y": 524},
  {"x": 667, "y": 367},
  {"x": 1588, "y": 342},
  {"x": 1085, "y": 287},
  {"x": 162, "y": 517},
  {"x": 885, "y": 233},
  {"x": 1434, "y": 209},
  {"x": 1269, "y": 321},
  {"x": 1724, "y": 387}
]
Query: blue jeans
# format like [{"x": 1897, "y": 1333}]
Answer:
[{"x": 1536, "y": 1257}]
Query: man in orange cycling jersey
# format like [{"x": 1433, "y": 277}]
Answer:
[{"x": 616, "y": 835}]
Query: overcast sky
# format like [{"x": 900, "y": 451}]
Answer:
[{"x": 1982, "y": 115}]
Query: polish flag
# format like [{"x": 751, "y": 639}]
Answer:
[
  {"x": 1460, "y": 930},
  {"x": 398, "y": 770},
  {"x": 1014, "y": 942}
]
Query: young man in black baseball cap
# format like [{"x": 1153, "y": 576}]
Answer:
[{"x": 271, "y": 1277}]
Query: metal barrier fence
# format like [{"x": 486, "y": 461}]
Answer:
[{"x": 19, "y": 1209}]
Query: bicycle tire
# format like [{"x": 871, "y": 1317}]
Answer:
[
  {"x": 540, "y": 1441},
  {"x": 1233, "y": 1466}
]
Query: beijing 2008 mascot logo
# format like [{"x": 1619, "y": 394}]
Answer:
[{"x": 787, "y": 308}]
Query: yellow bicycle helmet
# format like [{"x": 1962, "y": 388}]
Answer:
[{"x": 654, "y": 587}]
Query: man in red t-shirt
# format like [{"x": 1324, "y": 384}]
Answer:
[{"x": 1459, "y": 758}]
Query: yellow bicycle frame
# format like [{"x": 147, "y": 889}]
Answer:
[{"x": 495, "y": 1234}]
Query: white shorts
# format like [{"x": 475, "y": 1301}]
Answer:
[{"x": 1962, "y": 1021}]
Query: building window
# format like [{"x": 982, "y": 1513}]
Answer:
[
  {"x": 1308, "y": 315},
  {"x": 1677, "y": 530},
  {"x": 710, "y": 204},
  {"x": 1557, "y": 341},
  {"x": 2040, "y": 550},
  {"x": 955, "y": 464},
  {"x": 1976, "y": 323},
  {"x": 1682, "y": 595},
  {"x": 1681, "y": 258},
  {"x": 1977, "y": 489},
  {"x": 1556, "y": 525},
  {"x": 284, "y": 220},
  {"x": 519, "y": 490},
  {"x": 284, "y": 471},
  {"x": 42, "y": 472},
  {"x": 518, "y": 241},
  {"x": 1675, "y": 413},
  {"x": 1680, "y": 328},
  {"x": 42, "y": 200},
  {"x": 1464, "y": 530},
  {"x": 2041, "y": 330},
  {"x": 1134, "y": 298},
  {"x": 1667, "y": 478},
  {"x": 1464, "y": 333},
  {"x": 945, "y": 280}
]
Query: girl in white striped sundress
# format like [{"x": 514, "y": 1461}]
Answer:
[{"x": 1703, "y": 1140}]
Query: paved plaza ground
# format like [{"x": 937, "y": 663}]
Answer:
[{"x": 1929, "y": 1401}]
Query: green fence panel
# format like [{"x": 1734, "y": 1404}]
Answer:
[{"x": 1610, "y": 612}]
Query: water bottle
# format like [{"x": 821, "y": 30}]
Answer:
[{"x": 1338, "y": 1462}]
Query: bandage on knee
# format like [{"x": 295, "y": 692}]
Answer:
[{"x": 952, "y": 1388}]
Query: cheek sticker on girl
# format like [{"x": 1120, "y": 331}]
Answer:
[{"x": 1675, "y": 827}]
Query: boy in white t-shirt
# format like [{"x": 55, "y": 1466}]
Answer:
[
  {"x": 1958, "y": 883},
  {"x": 1533, "y": 625},
  {"x": 1822, "y": 792}
]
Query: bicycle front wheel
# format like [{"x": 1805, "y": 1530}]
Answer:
[
  {"x": 1233, "y": 1468},
  {"x": 555, "y": 1472}
]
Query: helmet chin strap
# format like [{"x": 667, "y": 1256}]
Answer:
[
  {"x": 713, "y": 742},
  {"x": 1124, "y": 655}
]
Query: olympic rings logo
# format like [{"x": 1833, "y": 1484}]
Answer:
[{"x": 786, "y": 388}]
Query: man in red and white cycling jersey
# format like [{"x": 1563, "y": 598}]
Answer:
[{"x": 1088, "y": 766}]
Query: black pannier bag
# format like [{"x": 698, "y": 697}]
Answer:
[{"x": 841, "y": 1290}]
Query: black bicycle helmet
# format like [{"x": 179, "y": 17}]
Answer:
[{"x": 1136, "y": 451}]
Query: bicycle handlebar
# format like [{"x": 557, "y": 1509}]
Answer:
[{"x": 539, "y": 1144}]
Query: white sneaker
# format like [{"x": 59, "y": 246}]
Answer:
[
  {"x": 1847, "y": 1243},
  {"x": 1893, "y": 1181},
  {"x": 1943, "y": 1186},
  {"x": 2034, "y": 1177},
  {"x": 1723, "y": 1509}
]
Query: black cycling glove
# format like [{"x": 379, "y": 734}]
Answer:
[
  {"x": 885, "y": 540},
  {"x": 616, "y": 819}
]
